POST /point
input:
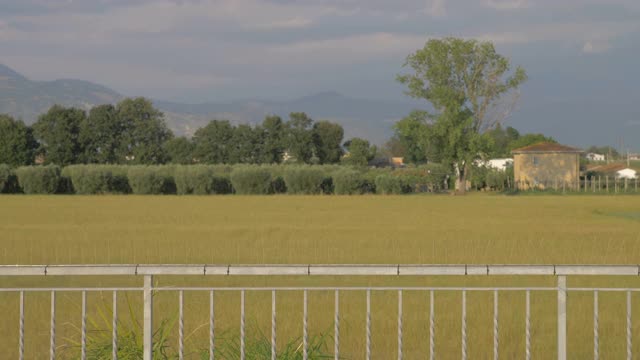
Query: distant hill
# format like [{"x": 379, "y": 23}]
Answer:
[
  {"x": 26, "y": 99},
  {"x": 371, "y": 119}
]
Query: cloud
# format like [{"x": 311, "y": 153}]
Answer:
[
  {"x": 595, "y": 47},
  {"x": 436, "y": 8},
  {"x": 297, "y": 22},
  {"x": 508, "y": 4},
  {"x": 594, "y": 37},
  {"x": 344, "y": 50}
]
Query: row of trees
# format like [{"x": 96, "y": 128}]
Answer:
[
  {"x": 411, "y": 140},
  {"x": 134, "y": 132}
]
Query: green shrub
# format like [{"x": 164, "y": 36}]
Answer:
[
  {"x": 97, "y": 179},
  {"x": 202, "y": 179},
  {"x": 390, "y": 184},
  {"x": 251, "y": 180},
  {"x": 304, "y": 180},
  {"x": 5, "y": 178},
  {"x": 89, "y": 179},
  {"x": 148, "y": 180},
  {"x": 278, "y": 185},
  {"x": 349, "y": 182},
  {"x": 39, "y": 179}
]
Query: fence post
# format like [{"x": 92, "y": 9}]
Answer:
[
  {"x": 562, "y": 318},
  {"x": 147, "y": 336}
]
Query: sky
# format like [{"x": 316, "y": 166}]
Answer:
[{"x": 581, "y": 55}]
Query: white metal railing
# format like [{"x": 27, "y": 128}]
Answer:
[{"x": 148, "y": 271}]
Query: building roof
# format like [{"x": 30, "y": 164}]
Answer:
[
  {"x": 546, "y": 147},
  {"x": 609, "y": 168}
]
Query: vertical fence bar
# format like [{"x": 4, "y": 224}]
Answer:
[
  {"x": 495, "y": 325},
  {"x": 336, "y": 327},
  {"x": 52, "y": 339},
  {"x": 399, "y": 324},
  {"x": 464, "y": 325},
  {"x": 273, "y": 325},
  {"x": 21, "y": 335},
  {"x": 147, "y": 336},
  {"x": 114, "y": 325},
  {"x": 211, "y": 327},
  {"x": 368, "y": 330},
  {"x": 562, "y": 318},
  {"x": 242, "y": 325},
  {"x": 181, "y": 325},
  {"x": 83, "y": 329},
  {"x": 629, "y": 329},
  {"x": 596, "y": 327},
  {"x": 305, "y": 335},
  {"x": 432, "y": 336},
  {"x": 527, "y": 350}
]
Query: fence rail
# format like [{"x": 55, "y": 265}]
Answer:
[{"x": 561, "y": 272}]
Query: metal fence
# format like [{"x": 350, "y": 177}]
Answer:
[{"x": 561, "y": 272}]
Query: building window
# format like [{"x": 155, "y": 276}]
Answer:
[{"x": 536, "y": 161}]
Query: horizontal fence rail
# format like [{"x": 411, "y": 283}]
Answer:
[{"x": 561, "y": 272}]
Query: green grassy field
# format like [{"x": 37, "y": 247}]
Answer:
[{"x": 475, "y": 229}]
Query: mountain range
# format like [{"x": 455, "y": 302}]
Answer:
[{"x": 26, "y": 99}]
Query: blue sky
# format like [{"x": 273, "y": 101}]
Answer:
[{"x": 581, "y": 55}]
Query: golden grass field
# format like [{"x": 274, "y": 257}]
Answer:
[{"x": 475, "y": 229}]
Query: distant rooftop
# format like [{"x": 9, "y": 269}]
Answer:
[
  {"x": 608, "y": 168},
  {"x": 546, "y": 147}
]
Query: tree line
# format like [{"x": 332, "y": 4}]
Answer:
[{"x": 135, "y": 132}]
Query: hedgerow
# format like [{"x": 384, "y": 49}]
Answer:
[
  {"x": 39, "y": 179},
  {"x": 251, "y": 180}
]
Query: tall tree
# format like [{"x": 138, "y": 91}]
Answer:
[
  {"x": 360, "y": 152},
  {"x": 213, "y": 143},
  {"x": 58, "y": 132},
  {"x": 500, "y": 140},
  {"x": 466, "y": 82},
  {"x": 17, "y": 144},
  {"x": 327, "y": 139},
  {"x": 145, "y": 132},
  {"x": 299, "y": 141},
  {"x": 274, "y": 135},
  {"x": 179, "y": 150},
  {"x": 101, "y": 135}
]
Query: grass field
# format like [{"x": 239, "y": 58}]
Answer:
[{"x": 475, "y": 229}]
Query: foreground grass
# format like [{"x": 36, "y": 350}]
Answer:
[{"x": 367, "y": 229}]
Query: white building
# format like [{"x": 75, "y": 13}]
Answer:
[
  {"x": 595, "y": 157},
  {"x": 498, "y": 164},
  {"x": 626, "y": 173}
]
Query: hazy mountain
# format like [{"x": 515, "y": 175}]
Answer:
[
  {"x": 371, "y": 119},
  {"x": 27, "y": 99}
]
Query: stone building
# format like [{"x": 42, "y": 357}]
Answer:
[{"x": 546, "y": 165}]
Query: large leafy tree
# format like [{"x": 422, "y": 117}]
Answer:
[
  {"x": 17, "y": 144},
  {"x": 360, "y": 152},
  {"x": 101, "y": 135},
  {"x": 467, "y": 83},
  {"x": 213, "y": 143},
  {"x": 145, "y": 132},
  {"x": 58, "y": 132},
  {"x": 327, "y": 140},
  {"x": 246, "y": 145},
  {"x": 179, "y": 150},
  {"x": 299, "y": 137},
  {"x": 411, "y": 133}
]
